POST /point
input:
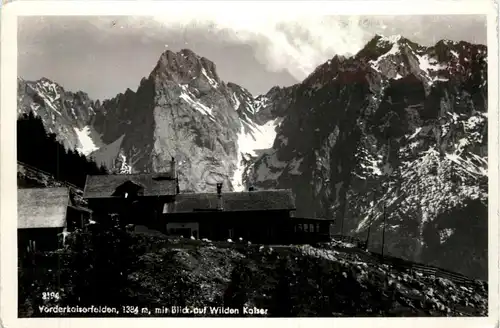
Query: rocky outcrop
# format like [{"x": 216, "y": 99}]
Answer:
[
  {"x": 182, "y": 110},
  {"x": 66, "y": 114},
  {"x": 398, "y": 126}
]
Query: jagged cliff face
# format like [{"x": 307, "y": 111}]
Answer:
[
  {"x": 397, "y": 126},
  {"x": 184, "y": 110},
  {"x": 64, "y": 113}
]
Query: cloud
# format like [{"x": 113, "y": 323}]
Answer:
[
  {"x": 106, "y": 54},
  {"x": 295, "y": 44},
  {"x": 298, "y": 44}
]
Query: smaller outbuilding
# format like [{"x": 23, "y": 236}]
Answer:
[{"x": 43, "y": 214}]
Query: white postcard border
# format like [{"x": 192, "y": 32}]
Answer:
[{"x": 258, "y": 10}]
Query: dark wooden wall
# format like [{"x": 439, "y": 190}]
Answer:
[
  {"x": 311, "y": 230},
  {"x": 45, "y": 239},
  {"x": 76, "y": 219},
  {"x": 255, "y": 226},
  {"x": 146, "y": 211}
]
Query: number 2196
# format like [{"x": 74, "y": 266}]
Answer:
[{"x": 50, "y": 296}]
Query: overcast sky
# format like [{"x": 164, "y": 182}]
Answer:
[{"x": 105, "y": 55}]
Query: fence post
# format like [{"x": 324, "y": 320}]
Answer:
[
  {"x": 368, "y": 237},
  {"x": 383, "y": 233},
  {"x": 374, "y": 190},
  {"x": 342, "y": 226},
  {"x": 346, "y": 209}
]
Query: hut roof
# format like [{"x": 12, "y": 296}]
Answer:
[
  {"x": 236, "y": 201},
  {"x": 104, "y": 186},
  {"x": 42, "y": 207}
]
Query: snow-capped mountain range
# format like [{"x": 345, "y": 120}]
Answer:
[{"x": 397, "y": 126}]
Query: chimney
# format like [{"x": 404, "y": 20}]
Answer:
[
  {"x": 219, "y": 197},
  {"x": 172, "y": 168}
]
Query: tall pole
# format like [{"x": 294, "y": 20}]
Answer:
[
  {"x": 342, "y": 224},
  {"x": 344, "y": 210},
  {"x": 368, "y": 236},
  {"x": 383, "y": 233},
  {"x": 386, "y": 178},
  {"x": 370, "y": 223}
]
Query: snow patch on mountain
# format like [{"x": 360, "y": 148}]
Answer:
[
  {"x": 124, "y": 168},
  {"x": 63, "y": 113},
  {"x": 428, "y": 63},
  {"x": 252, "y": 137},
  {"x": 260, "y": 102},
  {"x": 236, "y": 101},
  {"x": 212, "y": 82},
  {"x": 391, "y": 38},
  {"x": 188, "y": 97},
  {"x": 48, "y": 92},
  {"x": 87, "y": 145},
  {"x": 417, "y": 131},
  {"x": 389, "y": 58},
  {"x": 429, "y": 185},
  {"x": 393, "y": 51},
  {"x": 48, "y": 88},
  {"x": 73, "y": 113},
  {"x": 34, "y": 108}
]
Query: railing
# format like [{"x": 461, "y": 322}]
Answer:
[
  {"x": 406, "y": 265},
  {"x": 429, "y": 270},
  {"x": 50, "y": 175}
]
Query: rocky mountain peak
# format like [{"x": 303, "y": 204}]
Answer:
[
  {"x": 380, "y": 45},
  {"x": 185, "y": 66},
  {"x": 184, "y": 109},
  {"x": 67, "y": 114}
]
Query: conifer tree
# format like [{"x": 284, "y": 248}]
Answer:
[{"x": 43, "y": 151}]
